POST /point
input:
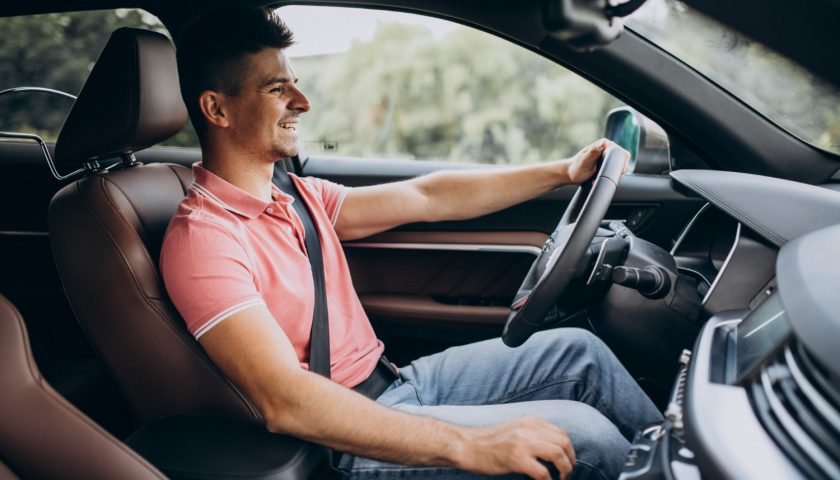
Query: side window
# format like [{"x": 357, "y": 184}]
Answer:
[
  {"x": 402, "y": 86},
  {"x": 57, "y": 51}
]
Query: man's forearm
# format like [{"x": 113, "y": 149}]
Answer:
[
  {"x": 326, "y": 413},
  {"x": 457, "y": 195}
]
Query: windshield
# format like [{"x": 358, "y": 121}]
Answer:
[{"x": 776, "y": 87}]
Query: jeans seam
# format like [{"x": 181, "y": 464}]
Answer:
[
  {"x": 593, "y": 468},
  {"x": 587, "y": 388},
  {"x": 416, "y": 391},
  {"x": 534, "y": 388}
]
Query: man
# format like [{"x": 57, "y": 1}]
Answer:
[{"x": 235, "y": 266}]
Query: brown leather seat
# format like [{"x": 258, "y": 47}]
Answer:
[
  {"x": 106, "y": 230},
  {"x": 41, "y": 434}
]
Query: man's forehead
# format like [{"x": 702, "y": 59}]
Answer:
[{"x": 271, "y": 65}]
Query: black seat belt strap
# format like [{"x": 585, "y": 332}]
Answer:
[{"x": 319, "y": 337}]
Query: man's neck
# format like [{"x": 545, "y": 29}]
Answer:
[{"x": 246, "y": 172}]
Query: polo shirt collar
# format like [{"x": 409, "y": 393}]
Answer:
[{"x": 229, "y": 196}]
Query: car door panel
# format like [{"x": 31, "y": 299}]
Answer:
[{"x": 454, "y": 278}]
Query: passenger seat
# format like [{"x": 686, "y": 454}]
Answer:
[{"x": 41, "y": 434}]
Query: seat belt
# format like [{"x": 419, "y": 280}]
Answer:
[{"x": 319, "y": 336}]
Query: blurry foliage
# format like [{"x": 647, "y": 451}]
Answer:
[
  {"x": 467, "y": 97},
  {"x": 58, "y": 51},
  {"x": 772, "y": 84}
]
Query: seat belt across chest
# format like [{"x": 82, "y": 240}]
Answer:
[{"x": 319, "y": 336}]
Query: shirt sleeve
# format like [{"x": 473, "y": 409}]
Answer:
[
  {"x": 207, "y": 273},
  {"x": 332, "y": 195}
]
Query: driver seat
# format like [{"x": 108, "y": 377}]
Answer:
[{"x": 106, "y": 230}]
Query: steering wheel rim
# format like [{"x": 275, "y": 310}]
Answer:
[{"x": 561, "y": 257}]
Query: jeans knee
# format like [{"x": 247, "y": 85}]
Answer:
[
  {"x": 577, "y": 339},
  {"x": 597, "y": 442}
]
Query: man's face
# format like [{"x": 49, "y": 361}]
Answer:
[{"x": 264, "y": 114}]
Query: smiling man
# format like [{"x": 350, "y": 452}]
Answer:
[{"x": 235, "y": 265}]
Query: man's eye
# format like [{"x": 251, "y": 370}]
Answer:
[{"x": 276, "y": 90}]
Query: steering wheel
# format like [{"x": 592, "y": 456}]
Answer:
[{"x": 562, "y": 257}]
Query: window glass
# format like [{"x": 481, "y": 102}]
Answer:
[
  {"x": 57, "y": 51},
  {"x": 401, "y": 86},
  {"x": 772, "y": 84}
]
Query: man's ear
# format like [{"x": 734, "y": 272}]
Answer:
[{"x": 212, "y": 107}]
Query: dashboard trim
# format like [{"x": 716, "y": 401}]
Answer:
[
  {"x": 447, "y": 247},
  {"x": 725, "y": 264},
  {"x": 688, "y": 226}
]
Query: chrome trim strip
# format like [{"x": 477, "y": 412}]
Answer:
[
  {"x": 38, "y": 90},
  {"x": 46, "y": 151},
  {"x": 725, "y": 263},
  {"x": 457, "y": 247},
  {"x": 20, "y": 233},
  {"x": 688, "y": 226},
  {"x": 686, "y": 269}
]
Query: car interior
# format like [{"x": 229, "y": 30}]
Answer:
[{"x": 706, "y": 268}]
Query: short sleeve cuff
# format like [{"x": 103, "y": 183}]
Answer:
[{"x": 219, "y": 317}]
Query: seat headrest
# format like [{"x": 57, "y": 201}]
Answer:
[{"x": 130, "y": 101}]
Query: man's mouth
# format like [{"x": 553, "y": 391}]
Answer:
[{"x": 289, "y": 126}]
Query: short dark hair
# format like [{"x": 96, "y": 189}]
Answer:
[{"x": 213, "y": 48}]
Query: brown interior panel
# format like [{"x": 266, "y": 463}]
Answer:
[
  {"x": 534, "y": 239},
  {"x": 446, "y": 264},
  {"x": 441, "y": 277},
  {"x": 413, "y": 308}
]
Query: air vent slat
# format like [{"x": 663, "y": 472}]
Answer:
[
  {"x": 823, "y": 409},
  {"x": 793, "y": 398},
  {"x": 812, "y": 424},
  {"x": 776, "y": 431},
  {"x": 822, "y": 382},
  {"x": 802, "y": 438}
]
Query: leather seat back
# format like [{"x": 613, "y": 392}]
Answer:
[
  {"x": 41, "y": 434},
  {"x": 106, "y": 231}
]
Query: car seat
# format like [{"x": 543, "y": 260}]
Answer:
[
  {"x": 41, "y": 434},
  {"x": 106, "y": 230}
]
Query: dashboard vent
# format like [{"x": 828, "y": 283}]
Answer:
[{"x": 798, "y": 403}]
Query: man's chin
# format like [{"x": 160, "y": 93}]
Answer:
[{"x": 284, "y": 152}]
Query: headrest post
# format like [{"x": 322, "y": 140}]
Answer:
[{"x": 129, "y": 160}]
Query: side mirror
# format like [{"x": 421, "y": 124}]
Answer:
[{"x": 647, "y": 142}]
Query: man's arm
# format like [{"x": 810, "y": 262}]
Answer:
[
  {"x": 457, "y": 195},
  {"x": 254, "y": 352}
]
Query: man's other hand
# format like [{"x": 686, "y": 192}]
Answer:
[
  {"x": 519, "y": 446},
  {"x": 583, "y": 165}
]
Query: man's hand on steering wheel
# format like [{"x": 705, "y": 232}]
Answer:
[{"x": 583, "y": 165}]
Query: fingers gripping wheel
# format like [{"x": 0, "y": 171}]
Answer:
[{"x": 562, "y": 257}]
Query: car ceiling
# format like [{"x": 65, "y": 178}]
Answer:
[{"x": 725, "y": 133}]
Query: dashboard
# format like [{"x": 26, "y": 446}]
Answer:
[{"x": 758, "y": 396}]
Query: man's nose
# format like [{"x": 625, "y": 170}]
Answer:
[{"x": 300, "y": 102}]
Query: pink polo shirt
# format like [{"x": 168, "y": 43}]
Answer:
[{"x": 226, "y": 250}]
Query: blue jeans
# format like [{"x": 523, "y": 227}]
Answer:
[{"x": 566, "y": 376}]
